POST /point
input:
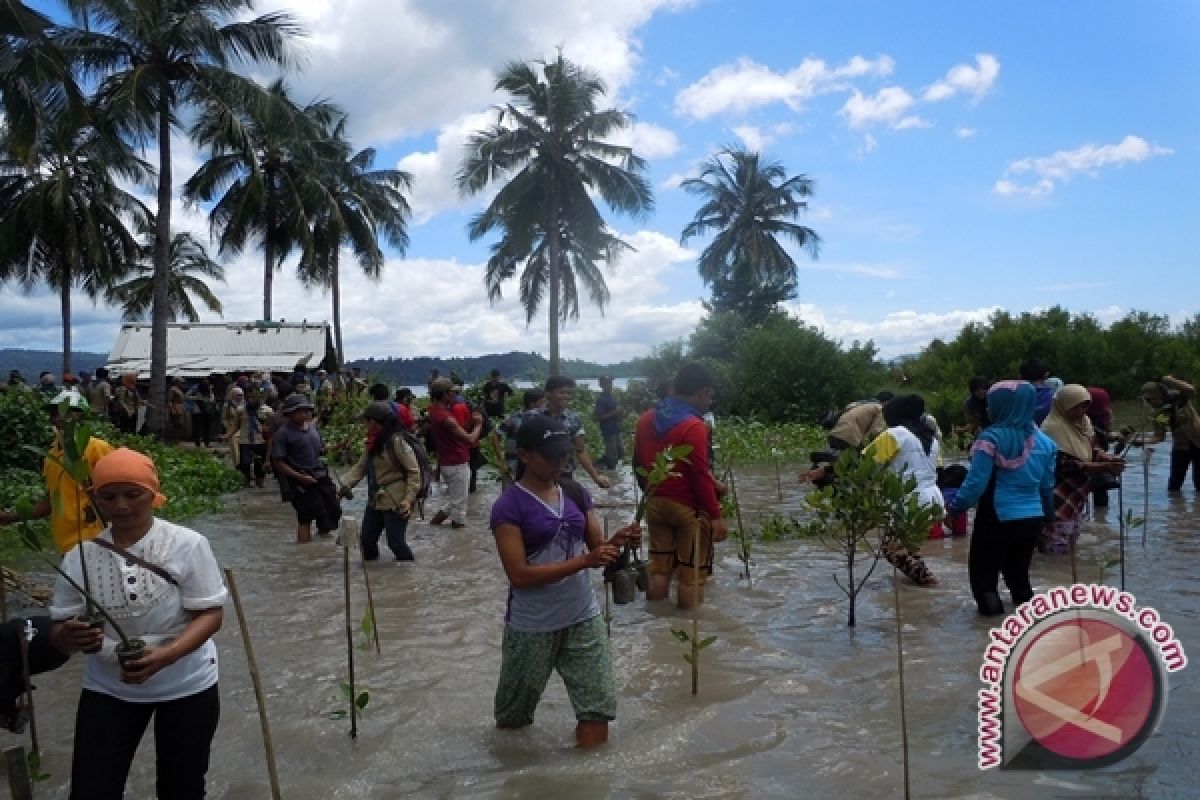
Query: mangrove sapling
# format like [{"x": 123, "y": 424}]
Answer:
[
  {"x": 865, "y": 497},
  {"x": 493, "y": 453},
  {"x": 129, "y": 649}
]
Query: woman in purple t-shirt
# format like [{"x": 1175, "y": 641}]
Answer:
[{"x": 548, "y": 536}]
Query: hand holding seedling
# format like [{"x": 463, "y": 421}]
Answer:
[
  {"x": 143, "y": 669},
  {"x": 631, "y": 534},
  {"x": 602, "y": 555},
  {"x": 75, "y": 636}
]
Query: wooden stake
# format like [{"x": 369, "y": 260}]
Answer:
[
  {"x": 349, "y": 641},
  {"x": 1121, "y": 519},
  {"x": 900, "y": 671},
  {"x": 256, "y": 681},
  {"x": 737, "y": 505},
  {"x": 696, "y": 616},
  {"x": 607, "y": 598},
  {"x": 19, "y": 787}
]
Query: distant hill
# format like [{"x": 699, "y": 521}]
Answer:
[
  {"x": 397, "y": 371},
  {"x": 34, "y": 362},
  {"x": 514, "y": 365}
]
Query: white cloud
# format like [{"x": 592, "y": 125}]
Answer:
[
  {"x": 757, "y": 139},
  {"x": 401, "y": 67},
  {"x": 896, "y": 333},
  {"x": 976, "y": 81},
  {"x": 884, "y": 271},
  {"x": 963, "y": 132},
  {"x": 913, "y": 121},
  {"x": 434, "y": 188},
  {"x": 746, "y": 84},
  {"x": 1047, "y": 172},
  {"x": 888, "y": 106},
  {"x": 648, "y": 140}
]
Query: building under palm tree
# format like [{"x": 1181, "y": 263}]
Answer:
[{"x": 199, "y": 350}]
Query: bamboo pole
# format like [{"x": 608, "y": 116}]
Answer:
[
  {"x": 1121, "y": 525},
  {"x": 737, "y": 505},
  {"x": 256, "y": 681},
  {"x": 696, "y": 616},
  {"x": 900, "y": 671},
  {"x": 607, "y": 597},
  {"x": 349, "y": 641},
  {"x": 1145, "y": 482}
]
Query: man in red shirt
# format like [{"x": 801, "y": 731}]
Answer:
[
  {"x": 453, "y": 446},
  {"x": 683, "y": 514}
]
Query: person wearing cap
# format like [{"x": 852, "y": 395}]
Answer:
[
  {"x": 452, "y": 442},
  {"x": 548, "y": 536},
  {"x": 296, "y": 454},
  {"x": 1171, "y": 401},
  {"x": 161, "y": 581},
  {"x": 608, "y": 414},
  {"x": 559, "y": 392},
  {"x": 683, "y": 514},
  {"x": 393, "y": 479},
  {"x": 68, "y": 505}
]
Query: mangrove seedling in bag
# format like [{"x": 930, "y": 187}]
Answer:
[{"x": 854, "y": 514}]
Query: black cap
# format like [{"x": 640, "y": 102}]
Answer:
[
  {"x": 379, "y": 412},
  {"x": 543, "y": 435}
]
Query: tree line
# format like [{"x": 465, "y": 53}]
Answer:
[{"x": 82, "y": 99}]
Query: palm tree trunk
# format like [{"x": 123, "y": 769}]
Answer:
[
  {"x": 65, "y": 305},
  {"x": 268, "y": 247},
  {"x": 335, "y": 286},
  {"x": 156, "y": 413},
  {"x": 555, "y": 278}
]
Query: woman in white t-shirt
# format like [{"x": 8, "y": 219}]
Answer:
[
  {"x": 910, "y": 448},
  {"x": 160, "y": 583}
]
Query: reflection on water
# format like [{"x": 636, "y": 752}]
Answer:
[{"x": 792, "y": 703}]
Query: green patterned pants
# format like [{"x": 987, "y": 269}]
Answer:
[{"x": 581, "y": 655}]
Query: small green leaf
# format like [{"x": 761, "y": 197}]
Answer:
[
  {"x": 363, "y": 699},
  {"x": 681, "y": 635},
  {"x": 687, "y": 657},
  {"x": 341, "y": 713},
  {"x": 705, "y": 642}
]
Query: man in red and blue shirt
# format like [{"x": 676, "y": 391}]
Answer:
[{"x": 683, "y": 513}]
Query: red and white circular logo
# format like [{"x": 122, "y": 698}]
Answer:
[{"x": 1087, "y": 690}]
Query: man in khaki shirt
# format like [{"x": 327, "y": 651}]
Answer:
[{"x": 859, "y": 424}]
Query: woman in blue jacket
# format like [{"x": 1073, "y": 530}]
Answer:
[{"x": 1012, "y": 480}]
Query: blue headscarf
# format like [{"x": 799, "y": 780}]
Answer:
[
  {"x": 1009, "y": 439},
  {"x": 671, "y": 411}
]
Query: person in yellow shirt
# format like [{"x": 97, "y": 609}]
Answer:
[{"x": 68, "y": 506}]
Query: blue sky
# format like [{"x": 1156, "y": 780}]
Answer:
[{"x": 967, "y": 157}]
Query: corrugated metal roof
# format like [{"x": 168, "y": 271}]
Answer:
[{"x": 204, "y": 348}]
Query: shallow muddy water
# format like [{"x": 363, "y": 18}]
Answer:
[{"x": 792, "y": 703}]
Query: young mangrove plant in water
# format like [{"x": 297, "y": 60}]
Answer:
[
  {"x": 853, "y": 516},
  {"x": 731, "y": 506}
]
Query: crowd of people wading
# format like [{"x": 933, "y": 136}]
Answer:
[{"x": 1043, "y": 452}]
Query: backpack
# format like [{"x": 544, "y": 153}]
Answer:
[{"x": 422, "y": 455}]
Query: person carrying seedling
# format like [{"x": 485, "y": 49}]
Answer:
[
  {"x": 160, "y": 590},
  {"x": 67, "y": 504},
  {"x": 684, "y": 507},
  {"x": 296, "y": 453},
  {"x": 548, "y": 536},
  {"x": 1171, "y": 400}
]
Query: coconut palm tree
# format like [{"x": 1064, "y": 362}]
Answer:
[
  {"x": 64, "y": 220},
  {"x": 548, "y": 142},
  {"x": 153, "y": 58},
  {"x": 263, "y": 166},
  {"x": 190, "y": 265},
  {"x": 749, "y": 205},
  {"x": 354, "y": 205},
  {"x": 36, "y": 84}
]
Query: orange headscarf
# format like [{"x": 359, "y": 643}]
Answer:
[{"x": 128, "y": 466}]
